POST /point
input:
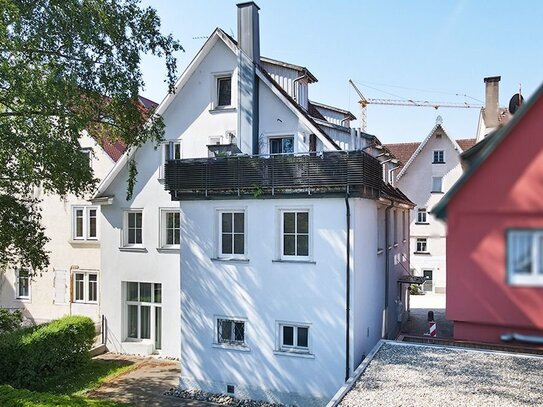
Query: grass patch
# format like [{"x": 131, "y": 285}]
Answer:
[
  {"x": 85, "y": 378},
  {"x": 10, "y": 397},
  {"x": 68, "y": 388}
]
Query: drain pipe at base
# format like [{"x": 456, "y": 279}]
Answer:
[
  {"x": 348, "y": 288},
  {"x": 531, "y": 339},
  {"x": 387, "y": 269}
]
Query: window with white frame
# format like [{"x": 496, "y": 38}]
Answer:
[
  {"x": 295, "y": 234},
  {"x": 23, "y": 284},
  {"x": 170, "y": 228},
  {"x": 422, "y": 245},
  {"x": 293, "y": 337},
  {"x": 282, "y": 145},
  {"x": 133, "y": 228},
  {"x": 231, "y": 233},
  {"x": 144, "y": 312},
  {"x": 85, "y": 287},
  {"x": 224, "y": 91},
  {"x": 439, "y": 157},
  {"x": 437, "y": 184},
  {"x": 525, "y": 257},
  {"x": 421, "y": 215},
  {"x": 84, "y": 223},
  {"x": 175, "y": 147},
  {"x": 230, "y": 331}
]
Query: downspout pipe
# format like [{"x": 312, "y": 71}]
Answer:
[
  {"x": 387, "y": 268},
  {"x": 347, "y": 289}
]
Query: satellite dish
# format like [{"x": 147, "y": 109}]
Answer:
[{"x": 516, "y": 101}]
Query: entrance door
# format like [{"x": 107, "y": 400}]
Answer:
[{"x": 428, "y": 280}]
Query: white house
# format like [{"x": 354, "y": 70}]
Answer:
[
  {"x": 430, "y": 168},
  {"x": 267, "y": 269},
  {"x": 71, "y": 284}
]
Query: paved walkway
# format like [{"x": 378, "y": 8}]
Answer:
[
  {"x": 144, "y": 386},
  {"x": 418, "y": 319}
]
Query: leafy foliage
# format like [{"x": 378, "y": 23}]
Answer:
[
  {"x": 67, "y": 66},
  {"x": 10, "y": 320},
  {"x": 29, "y": 355}
]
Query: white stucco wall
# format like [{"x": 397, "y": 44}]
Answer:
[
  {"x": 416, "y": 183},
  {"x": 65, "y": 254}
]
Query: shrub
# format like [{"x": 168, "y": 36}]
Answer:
[
  {"x": 10, "y": 320},
  {"x": 29, "y": 355},
  {"x": 414, "y": 289}
]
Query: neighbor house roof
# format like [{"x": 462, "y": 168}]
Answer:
[{"x": 481, "y": 151}]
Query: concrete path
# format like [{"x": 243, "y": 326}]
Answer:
[
  {"x": 418, "y": 319},
  {"x": 144, "y": 386}
]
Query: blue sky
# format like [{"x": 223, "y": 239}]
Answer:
[{"x": 426, "y": 50}]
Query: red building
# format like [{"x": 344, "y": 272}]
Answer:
[{"x": 494, "y": 216}]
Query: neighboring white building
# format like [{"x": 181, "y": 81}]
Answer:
[
  {"x": 430, "y": 168},
  {"x": 71, "y": 283}
]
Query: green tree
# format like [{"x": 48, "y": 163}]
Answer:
[{"x": 67, "y": 66}]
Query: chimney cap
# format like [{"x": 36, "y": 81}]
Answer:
[
  {"x": 492, "y": 79},
  {"x": 248, "y": 3}
]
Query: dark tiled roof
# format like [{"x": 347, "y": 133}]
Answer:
[{"x": 314, "y": 112}]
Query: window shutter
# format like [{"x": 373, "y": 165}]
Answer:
[{"x": 60, "y": 285}]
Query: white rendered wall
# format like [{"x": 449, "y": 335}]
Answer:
[
  {"x": 416, "y": 183},
  {"x": 65, "y": 254},
  {"x": 264, "y": 291}
]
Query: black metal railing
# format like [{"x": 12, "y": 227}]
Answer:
[{"x": 330, "y": 172}]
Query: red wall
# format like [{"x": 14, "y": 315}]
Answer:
[{"x": 506, "y": 191}]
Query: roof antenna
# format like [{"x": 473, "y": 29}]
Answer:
[{"x": 201, "y": 37}]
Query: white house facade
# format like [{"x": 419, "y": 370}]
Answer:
[
  {"x": 71, "y": 285},
  {"x": 255, "y": 247},
  {"x": 430, "y": 168}
]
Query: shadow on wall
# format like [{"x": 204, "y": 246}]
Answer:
[{"x": 231, "y": 291}]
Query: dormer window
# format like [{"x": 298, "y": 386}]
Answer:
[{"x": 224, "y": 91}]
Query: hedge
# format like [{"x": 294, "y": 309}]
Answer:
[{"x": 29, "y": 355}]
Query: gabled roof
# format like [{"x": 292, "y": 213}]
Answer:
[
  {"x": 303, "y": 69},
  {"x": 403, "y": 151},
  {"x": 466, "y": 143},
  {"x": 483, "y": 151},
  {"x": 219, "y": 34},
  {"x": 348, "y": 115}
]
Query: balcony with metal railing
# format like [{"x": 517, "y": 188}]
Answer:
[{"x": 339, "y": 172}]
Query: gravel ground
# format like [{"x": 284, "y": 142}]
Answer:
[
  {"x": 217, "y": 398},
  {"x": 422, "y": 375}
]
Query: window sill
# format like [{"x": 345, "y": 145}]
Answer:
[
  {"x": 85, "y": 302},
  {"x": 437, "y": 192},
  {"x": 226, "y": 346},
  {"x": 294, "y": 354},
  {"x": 225, "y": 109},
  {"x": 25, "y": 300},
  {"x": 380, "y": 251},
  {"x": 168, "y": 249},
  {"x": 527, "y": 281},
  {"x": 423, "y": 253},
  {"x": 133, "y": 249},
  {"x": 422, "y": 223},
  {"x": 438, "y": 162},
  {"x": 294, "y": 261},
  {"x": 84, "y": 243},
  {"x": 230, "y": 260}
]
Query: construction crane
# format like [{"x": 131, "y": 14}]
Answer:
[{"x": 363, "y": 102}]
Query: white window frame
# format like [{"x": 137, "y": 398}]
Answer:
[
  {"x": 153, "y": 305},
  {"x": 229, "y": 344},
  {"x": 417, "y": 245},
  {"x": 86, "y": 286},
  {"x": 285, "y": 257},
  {"x": 422, "y": 213},
  {"x": 535, "y": 278},
  {"x": 125, "y": 243},
  {"x": 282, "y": 136},
  {"x": 163, "y": 226},
  {"x": 294, "y": 348},
  {"x": 17, "y": 293},
  {"x": 86, "y": 222},
  {"x": 438, "y": 157},
  {"x": 178, "y": 154},
  {"x": 220, "y": 254},
  {"x": 441, "y": 184},
  {"x": 216, "y": 76}
]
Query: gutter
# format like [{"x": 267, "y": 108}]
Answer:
[{"x": 347, "y": 289}]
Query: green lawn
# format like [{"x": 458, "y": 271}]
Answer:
[{"x": 67, "y": 389}]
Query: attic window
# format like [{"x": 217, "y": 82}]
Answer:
[
  {"x": 224, "y": 91},
  {"x": 439, "y": 135}
]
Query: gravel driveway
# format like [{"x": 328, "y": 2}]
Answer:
[{"x": 415, "y": 375}]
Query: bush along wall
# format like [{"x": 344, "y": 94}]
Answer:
[{"x": 29, "y": 355}]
